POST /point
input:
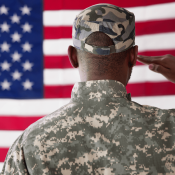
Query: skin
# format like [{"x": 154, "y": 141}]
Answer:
[
  {"x": 164, "y": 65},
  {"x": 130, "y": 61}
]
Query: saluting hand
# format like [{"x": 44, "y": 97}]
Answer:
[{"x": 164, "y": 65}]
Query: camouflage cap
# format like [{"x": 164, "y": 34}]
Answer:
[{"x": 116, "y": 22}]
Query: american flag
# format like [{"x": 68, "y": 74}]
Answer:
[{"x": 36, "y": 77}]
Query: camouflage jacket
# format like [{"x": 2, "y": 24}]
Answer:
[{"x": 101, "y": 131}]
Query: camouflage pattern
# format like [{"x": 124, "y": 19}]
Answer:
[
  {"x": 102, "y": 132},
  {"x": 116, "y": 22}
]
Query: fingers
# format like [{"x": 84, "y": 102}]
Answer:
[
  {"x": 164, "y": 65},
  {"x": 149, "y": 59},
  {"x": 159, "y": 69}
]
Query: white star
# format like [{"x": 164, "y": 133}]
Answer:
[
  {"x": 26, "y": 27},
  {"x": 5, "y": 85},
  {"x": 16, "y": 56},
  {"x": 26, "y": 47},
  {"x": 27, "y": 85},
  {"x": 27, "y": 66},
  {"x": 15, "y": 18},
  {"x": 25, "y": 10},
  {"x": 5, "y": 47},
  {"x": 5, "y": 66},
  {"x": 3, "y": 10},
  {"x": 5, "y": 27},
  {"x": 16, "y": 37},
  {"x": 16, "y": 75}
]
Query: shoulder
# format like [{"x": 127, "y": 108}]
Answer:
[
  {"x": 47, "y": 123},
  {"x": 40, "y": 126},
  {"x": 32, "y": 138},
  {"x": 150, "y": 111}
]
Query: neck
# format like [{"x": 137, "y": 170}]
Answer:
[
  {"x": 88, "y": 77},
  {"x": 90, "y": 72}
]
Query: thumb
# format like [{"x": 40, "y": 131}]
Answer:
[{"x": 158, "y": 68}]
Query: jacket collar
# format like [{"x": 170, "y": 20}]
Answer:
[{"x": 99, "y": 89}]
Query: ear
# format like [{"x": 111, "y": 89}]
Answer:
[
  {"x": 72, "y": 53},
  {"x": 133, "y": 56}
]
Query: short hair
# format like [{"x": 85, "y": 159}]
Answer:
[{"x": 101, "y": 64}]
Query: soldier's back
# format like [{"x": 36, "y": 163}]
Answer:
[
  {"x": 108, "y": 137},
  {"x": 101, "y": 131}
]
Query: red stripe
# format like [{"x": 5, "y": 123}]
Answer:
[
  {"x": 63, "y": 61},
  {"x": 151, "y": 89},
  {"x": 76, "y": 4},
  {"x": 16, "y": 122},
  {"x": 57, "y": 62},
  {"x": 57, "y": 32},
  {"x": 58, "y": 91},
  {"x": 152, "y": 27},
  {"x": 157, "y": 53},
  {"x": 142, "y": 28},
  {"x": 3, "y": 153},
  {"x": 136, "y": 89}
]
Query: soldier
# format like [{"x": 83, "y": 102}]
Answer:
[{"x": 101, "y": 131}]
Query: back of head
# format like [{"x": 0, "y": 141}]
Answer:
[
  {"x": 102, "y": 35},
  {"x": 101, "y": 64}
]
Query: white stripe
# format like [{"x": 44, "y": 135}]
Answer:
[
  {"x": 163, "y": 102},
  {"x": 144, "y": 74},
  {"x": 161, "y": 41},
  {"x": 61, "y": 76},
  {"x": 56, "y": 46},
  {"x": 1, "y": 166},
  {"x": 30, "y": 107},
  {"x": 47, "y": 106},
  {"x": 71, "y": 76},
  {"x": 9, "y": 137},
  {"x": 152, "y": 12},
  {"x": 59, "y": 18}
]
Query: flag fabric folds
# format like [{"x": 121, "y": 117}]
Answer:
[{"x": 36, "y": 77}]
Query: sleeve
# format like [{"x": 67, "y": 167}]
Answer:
[{"x": 15, "y": 163}]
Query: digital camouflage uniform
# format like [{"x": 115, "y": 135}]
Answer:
[{"x": 101, "y": 131}]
